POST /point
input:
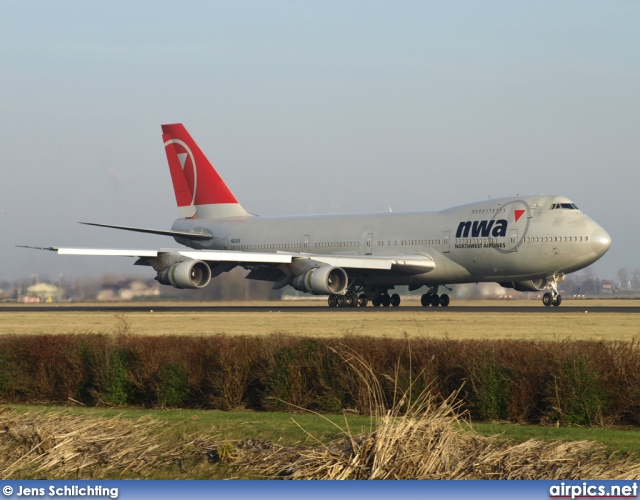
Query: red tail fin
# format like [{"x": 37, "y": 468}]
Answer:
[{"x": 199, "y": 190}]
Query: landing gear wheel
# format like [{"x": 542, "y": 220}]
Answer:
[
  {"x": 444, "y": 300},
  {"x": 425, "y": 300},
  {"x": 342, "y": 301},
  {"x": 333, "y": 300},
  {"x": 377, "y": 302},
  {"x": 385, "y": 299},
  {"x": 395, "y": 300},
  {"x": 435, "y": 300},
  {"x": 553, "y": 297},
  {"x": 363, "y": 300}
]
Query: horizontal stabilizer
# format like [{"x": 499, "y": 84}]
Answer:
[{"x": 175, "y": 234}]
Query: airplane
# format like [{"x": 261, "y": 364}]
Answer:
[{"x": 527, "y": 243}]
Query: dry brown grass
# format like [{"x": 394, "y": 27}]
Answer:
[
  {"x": 430, "y": 445},
  {"x": 413, "y": 324},
  {"x": 53, "y": 446},
  {"x": 424, "y": 440}
]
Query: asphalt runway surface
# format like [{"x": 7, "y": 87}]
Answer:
[{"x": 277, "y": 307}]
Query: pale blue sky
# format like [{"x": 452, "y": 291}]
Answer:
[{"x": 311, "y": 107}]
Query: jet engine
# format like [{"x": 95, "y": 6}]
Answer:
[
  {"x": 186, "y": 274},
  {"x": 526, "y": 286},
  {"x": 323, "y": 280}
]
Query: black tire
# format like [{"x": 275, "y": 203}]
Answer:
[
  {"x": 557, "y": 301},
  {"x": 332, "y": 300},
  {"x": 444, "y": 300},
  {"x": 342, "y": 301},
  {"x": 363, "y": 300},
  {"x": 385, "y": 299},
  {"x": 395, "y": 300},
  {"x": 377, "y": 301},
  {"x": 435, "y": 300},
  {"x": 547, "y": 299},
  {"x": 425, "y": 300}
]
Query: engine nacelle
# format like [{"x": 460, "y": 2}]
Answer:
[
  {"x": 323, "y": 280},
  {"x": 187, "y": 274},
  {"x": 526, "y": 286}
]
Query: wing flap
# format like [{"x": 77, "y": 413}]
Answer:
[
  {"x": 240, "y": 257},
  {"x": 404, "y": 264}
]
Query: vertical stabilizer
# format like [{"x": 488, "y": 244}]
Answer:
[{"x": 200, "y": 191}]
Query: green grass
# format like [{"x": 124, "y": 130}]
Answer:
[
  {"x": 277, "y": 427},
  {"x": 615, "y": 439},
  {"x": 304, "y": 429},
  {"x": 283, "y": 428},
  {"x": 307, "y": 428}
]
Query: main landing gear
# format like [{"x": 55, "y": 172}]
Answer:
[
  {"x": 431, "y": 298},
  {"x": 377, "y": 296},
  {"x": 348, "y": 300},
  {"x": 553, "y": 297},
  {"x": 386, "y": 300}
]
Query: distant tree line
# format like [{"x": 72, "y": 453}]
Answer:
[
  {"x": 228, "y": 286},
  {"x": 233, "y": 286}
]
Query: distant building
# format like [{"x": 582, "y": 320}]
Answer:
[
  {"x": 42, "y": 292},
  {"x": 128, "y": 289}
]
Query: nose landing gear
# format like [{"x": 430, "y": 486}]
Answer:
[{"x": 553, "y": 298}]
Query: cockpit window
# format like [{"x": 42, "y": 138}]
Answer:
[{"x": 565, "y": 206}]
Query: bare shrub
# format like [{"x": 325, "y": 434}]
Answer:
[{"x": 568, "y": 382}]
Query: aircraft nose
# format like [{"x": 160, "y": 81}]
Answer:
[{"x": 600, "y": 241}]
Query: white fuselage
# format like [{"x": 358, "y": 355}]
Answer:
[{"x": 508, "y": 239}]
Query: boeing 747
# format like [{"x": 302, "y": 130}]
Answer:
[{"x": 527, "y": 243}]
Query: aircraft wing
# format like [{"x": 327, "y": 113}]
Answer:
[{"x": 405, "y": 264}]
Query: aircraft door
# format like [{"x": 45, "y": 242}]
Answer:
[
  {"x": 368, "y": 248},
  {"x": 305, "y": 242},
  {"x": 446, "y": 242},
  {"x": 513, "y": 240}
]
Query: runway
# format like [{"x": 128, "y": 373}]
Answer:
[{"x": 300, "y": 309}]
